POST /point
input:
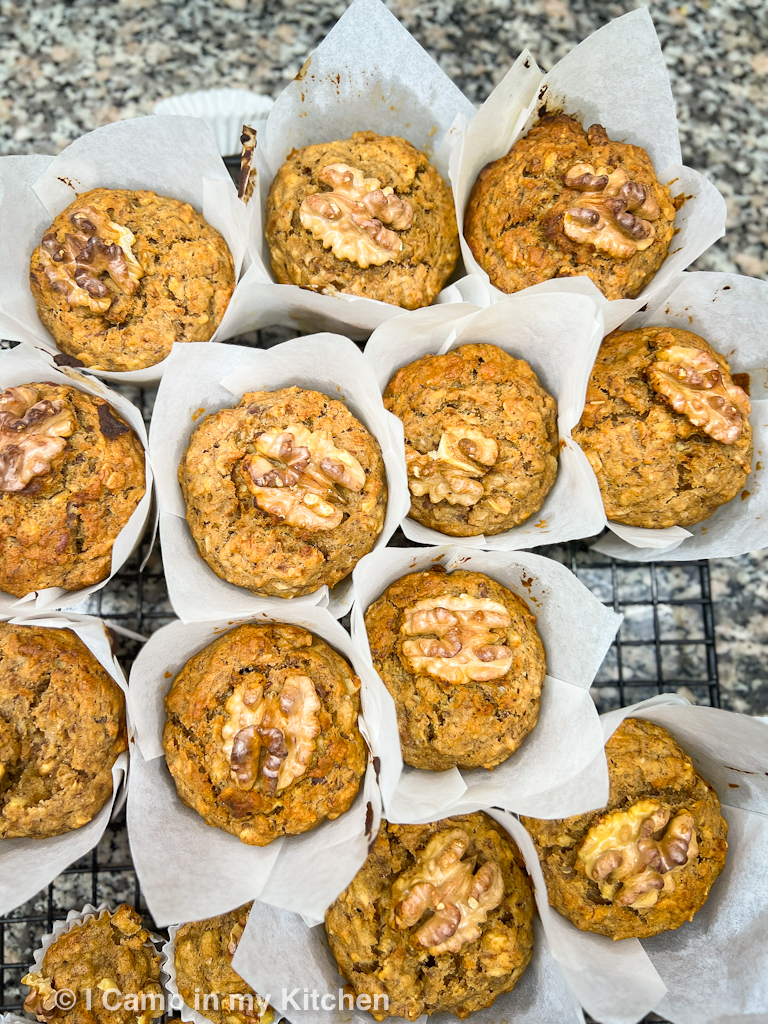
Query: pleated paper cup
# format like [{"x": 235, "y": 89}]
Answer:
[{"x": 225, "y": 111}]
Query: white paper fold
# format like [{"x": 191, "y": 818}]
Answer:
[
  {"x": 190, "y": 870},
  {"x": 618, "y": 78},
  {"x": 171, "y": 155},
  {"x": 207, "y": 377},
  {"x": 560, "y": 767},
  {"x": 27, "y": 365},
  {"x": 558, "y": 333}
]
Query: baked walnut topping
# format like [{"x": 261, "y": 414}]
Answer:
[
  {"x": 633, "y": 858},
  {"x": 32, "y": 434},
  {"x": 297, "y": 474},
  {"x": 450, "y": 473},
  {"x": 95, "y": 246},
  {"x": 612, "y": 213},
  {"x": 459, "y": 898},
  {"x": 271, "y": 737},
  {"x": 695, "y": 385},
  {"x": 349, "y": 220},
  {"x": 461, "y": 645}
]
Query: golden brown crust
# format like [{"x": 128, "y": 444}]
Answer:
[
  {"x": 430, "y": 246},
  {"x": 654, "y": 467},
  {"x": 643, "y": 762},
  {"x": 188, "y": 281},
  {"x": 514, "y": 218}
]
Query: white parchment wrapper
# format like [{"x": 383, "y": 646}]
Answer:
[
  {"x": 560, "y": 767},
  {"x": 205, "y": 378},
  {"x": 190, "y": 870},
  {"x": 369, "y": 73},
  {"x": 170, "y": 155},
  {"x": 731, "y": 313},
  {"x": 28, "y": 865},
  {"x": 28, "y": 365},
  {"x": 558, "y": 333},
  {"x": 618, "y": 78}
]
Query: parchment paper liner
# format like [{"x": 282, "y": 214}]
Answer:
[
  {"x": 171, "y": 155},
  {"x": 28, "y": 865},
  {"x": 204, "y": 378},
  {"x": 617, "y": 77},
  {"x": 27, "y": 365},
  {"x": 189, "y": 870},
  {"x": 558, "y": 333}
]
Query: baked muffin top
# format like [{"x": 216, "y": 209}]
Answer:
[
  {"x": 645, "y": 862},
  {"x": 365, "y": 216},
  {"x": 566, "y": 202},
  {"x": 71, "y": 475},
  {"x": 120, "y": 275},
  {"x": 481, "y": 444},
  {"x": 665, "y": 428},
  {"x": 439, "y": 918},
  {"x": 261, "y": 733},
  {"x": 285, "y": 492}
]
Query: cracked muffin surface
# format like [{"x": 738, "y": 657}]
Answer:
[
  {"x": 62, "y": 726},
  {"x": 261, "y": 733},
  {"x": 481, "y": 443},
  {"x": 464, "y": 663},
  {"x": 382, "y": 224},
  {"x": 565, "y": 202},
  {"x": 644, "y": 863},
  {"x": 284, "y": 493},
  {"x": 71, "y": 476},
  {"x": 438, "y": 919},
  {"x": 120, "y": 276},
  {"x": 655, "y": 466}
]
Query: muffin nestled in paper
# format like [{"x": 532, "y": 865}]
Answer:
[
  {"x": 120, "y": 276},
  {"x": 366, "y": 216}
]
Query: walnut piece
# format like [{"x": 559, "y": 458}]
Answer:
[
  {"x": 441, "y": 882},
  {"x": 41, "y": 1001},
  {"x": 629, "y": 857},
  {"x": 612, "y": 213},
  {"x": 350, "y": 219},
  {"x": 32, "y": 434},
  {"x": 450, "y": 472},
  {"x": 693, "y": 384},
  {"x": 463, "y": 645},
  {"x": 302, "y": 488},
  {"x": 96, "y": 245},
  {"x": 271, "y": 736}
]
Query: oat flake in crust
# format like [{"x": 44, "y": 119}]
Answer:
[
  {"x": 565, "y": 202},
  {"x": 655, "y": 467},
  {"x": 284, "y": 493},
  {"x": 82, "y": 471},
  {"x": 396, "y": 238},
  {"x": 261, "y": 733},
  {"x": 439, "y": 918},
  {"x": 645, "y": 862},
  {"x": 481, "y": 442},
  {"x": 475, "y": 700},
  {"x": 120, "y": 276}
]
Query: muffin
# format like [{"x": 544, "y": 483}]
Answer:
[
  {"x": 665, "y": 428},
  {"x": 203, "y": 952},
  {"x": 468, "y": 875},
  {"x": 481, "y": 442},
  {"x": 261, "y": 733},
  {"x": 284, "y": 493},
  {"x": 62, "y": 726},
  {"x": 464, "y": 664},
  {"x": 104, "y": 963},
  {"x": 120, "y": 275},
  {"x": 566, "y": 202},
  {"x": 645, "y": 862},
  {"x": 363, "y": 216},
  {"x": 71, "y": 475}
]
